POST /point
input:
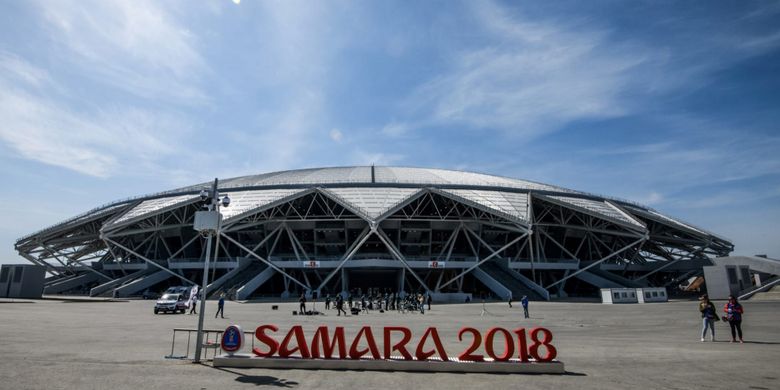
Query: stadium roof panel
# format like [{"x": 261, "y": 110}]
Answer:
[
  {"x": 511, "y": 204},
  {"x": 151, "y": 207},
  {"x": 601, "y": 208},
  {"x": 381, "y": 175},
  {"x": 371, "y": 202},
  {"x": 244, "y": 203}
]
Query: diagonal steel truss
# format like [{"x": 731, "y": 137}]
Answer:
[{"x": 553, "y": 233}]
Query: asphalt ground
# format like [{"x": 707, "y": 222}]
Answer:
[{"x": 48, "y": 344}]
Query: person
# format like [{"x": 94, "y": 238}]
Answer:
[
  {"x": 734, "y": 310},
  {"x": 708, "y": 317},
  {"x": 221, "y": 306},
  {"x": 524, "y": 302},
  {"x": 340, "y": 305},
  {"x": 421, "y": 302},
  {"x": 302, "y": 300},
  {"x": 509, "y": 301},
  {"x": 430, "y": 299},
  {"x": 194, "y": 303},
  {"x": 349, "y": 298},
  {"x": 327, "y": 302}
]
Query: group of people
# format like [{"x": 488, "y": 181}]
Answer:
[
  {"x": 375, "y": 299},
  {"x": 733, "y": 315},
  {"x": 383, "y": 301}
]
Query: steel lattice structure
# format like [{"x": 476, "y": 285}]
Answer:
[{"x": 334, "y": 229}]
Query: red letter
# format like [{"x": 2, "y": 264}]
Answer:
[
  {"x": 421, "y": 355},
  {"x": 401, "y": 345},
  {"x": 353, "y": 351},
  {"x": 534, "y": 349},
  {"x": 467, "y": 355},
  {"x": 509, "y": 344},
  {"x": 321, "y": 337},
  {"x": 273, "y": 346},
  {"x": 522, "y": 344},
  {"x": 300, "y": 342}
]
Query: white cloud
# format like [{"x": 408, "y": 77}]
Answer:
[
  {"x": 13, "y": 66},
  {"x": 136, "y": 46},
  {"x": 532, "y": 78},
  {"x": 95, "y": 143},
  {"x": 527, "y": 77},
  {"x": 336, "y": 135}
]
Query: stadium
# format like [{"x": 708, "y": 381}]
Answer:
[{"x": 453, "y": 234}]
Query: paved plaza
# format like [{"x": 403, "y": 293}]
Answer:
[{"x": 51, "y": 344}]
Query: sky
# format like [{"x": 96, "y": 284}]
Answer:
[{"x": 675, "y": 105}]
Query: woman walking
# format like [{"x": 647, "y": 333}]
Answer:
[
  {"x": 708, "y": 317},
  {"x": 734, "y": 312}
]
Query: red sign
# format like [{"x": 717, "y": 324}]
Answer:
[
  {"x": 436, "y": 264},
  {"x": 397, "y": 339}
]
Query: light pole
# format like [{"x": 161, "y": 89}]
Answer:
[{"x": 208, "y": 223}]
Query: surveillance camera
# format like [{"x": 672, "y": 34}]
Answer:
[
  {"x": 225, "y": 201},
  {"x": 204, "y": 194}
]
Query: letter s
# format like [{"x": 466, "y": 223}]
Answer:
[{"x": 272, "y": 344}]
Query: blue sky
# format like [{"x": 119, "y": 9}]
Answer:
[{"x": 670, "y": 104}]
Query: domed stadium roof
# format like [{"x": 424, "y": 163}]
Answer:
[{"x": 373, "y": 192}]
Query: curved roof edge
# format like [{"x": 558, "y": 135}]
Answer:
[{"x": 372, "y": 176}]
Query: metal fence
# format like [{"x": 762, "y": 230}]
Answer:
[{"x": 211, "y": 342}]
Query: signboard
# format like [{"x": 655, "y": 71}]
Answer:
[
  {"x": 395, "y": 348},
  {"x": 436, "y": 264},
  {"x": 232, "y": 339},
  {"x": 311, "y": 264}
]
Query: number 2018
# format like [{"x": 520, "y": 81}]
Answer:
[{"x": 524, "y": 350}]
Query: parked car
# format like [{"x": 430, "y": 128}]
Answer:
[{"x": 173, "y": 303}]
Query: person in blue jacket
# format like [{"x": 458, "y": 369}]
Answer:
[
  {"x": 524, "y": 302},
  {"x": 221, "y": 306}
]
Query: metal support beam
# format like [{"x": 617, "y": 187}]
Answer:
[
  {"x": 151, "y": 262},
  {"x": 48, "y": 266},
  {"x": 621, "y": 250},
  {"x": 670, "y": 263},
  {"x": 350, "y": 252},
  {"x": 82, "y": 266},
  {"x": 386, "y": 240},
  {"x": 269, "y": 263},
  {"x": 492, "y": 255}
]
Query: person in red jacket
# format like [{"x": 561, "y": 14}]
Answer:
[{"x": 734, "y": 312}]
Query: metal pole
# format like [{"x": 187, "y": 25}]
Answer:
[{"x": 199, "y": 339}]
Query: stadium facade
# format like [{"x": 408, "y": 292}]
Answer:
[{"x": 329, "y": 230}]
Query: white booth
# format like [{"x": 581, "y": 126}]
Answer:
[
  {"x": 652, "y": 294},
  {"x": 618, "y": 295},
  {"x": 634, "y": 295}
]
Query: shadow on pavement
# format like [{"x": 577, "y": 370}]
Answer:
[
  {"x": 260, "y": 380},
  {"x": 263, "y": 380}
]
